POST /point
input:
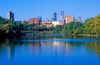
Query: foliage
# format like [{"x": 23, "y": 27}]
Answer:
[
  {"x": 72, "y": 28},
  {"x": 8, "y": 26},
  {"x": 91, "y": 26},
  {"x": 97, "y": 24}
]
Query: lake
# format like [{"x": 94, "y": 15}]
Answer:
[{"x": 49, "y": 49}]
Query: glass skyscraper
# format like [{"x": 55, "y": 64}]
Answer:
[
  {"x": 54, "y": 16},
  {"x": 10, "y": 15},
  {"x": 62, "y": 17},
  {"x": 40, "y": 18}
]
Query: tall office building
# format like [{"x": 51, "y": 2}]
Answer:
[
  {"x": 10, "y": 15},
  {"x": 40, "y": 18},
  {"x": 62, "y": 17},
  {"x": 78, "y": 19},
  {"x": 69, "y": 19},
  {"x": 62, "y": 22},
  {"x": 54, "y": 16}
]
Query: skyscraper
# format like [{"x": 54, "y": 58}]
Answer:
[
  {"x": 69, "y": 19},
  {"x": 62, "y": 17},
  {"x": 54, "y": 16},
  {"x": 10, "y": 15},
  {"x": 78, "y": 19},
  {"x": 40, "y": 18}
]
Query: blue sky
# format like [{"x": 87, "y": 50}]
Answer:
[{"x": 26, "y": 9}]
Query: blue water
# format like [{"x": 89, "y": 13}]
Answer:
[
  {"x": 81, "y": 40},
  {"x": 32, "y": 50}
]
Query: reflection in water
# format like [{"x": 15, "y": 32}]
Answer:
[
  {"x": 10, "y": 49},
  {"x": 64, "y": 47},
  {"x": 35, "y": 48}
]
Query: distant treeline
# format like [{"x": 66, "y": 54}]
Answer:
[{"x": 91, "y": 26}]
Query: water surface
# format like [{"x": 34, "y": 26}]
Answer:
[{"x": 50, "y": 50}]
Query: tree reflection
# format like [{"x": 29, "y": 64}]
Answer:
[{"x": 63, "y": 48}]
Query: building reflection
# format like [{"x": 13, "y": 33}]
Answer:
[
  {"x": 35, "y": 47},
  {"x": 8, "y": 47},
  {"x": 11, "y": 52},
  {"x": 62, "y": 48}
]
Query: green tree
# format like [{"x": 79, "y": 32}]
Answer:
[
  {"x": 97, "y": 24},
  {"x": 72, "y": 28},
  {"x": 89, "y": 26}
]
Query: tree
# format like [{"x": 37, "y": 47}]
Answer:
[
  {"x": 71, "y": 28},
  {"x": 89, "y": 26},
  {"x": 97, "y": 24}
]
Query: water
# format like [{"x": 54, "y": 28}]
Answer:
[{"x": 50, "y": 50}]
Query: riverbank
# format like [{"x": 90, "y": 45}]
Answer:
[
  {"x": 49, "y": 33},
  {"x": 60, "y": 33},
  {"x": 87, "y": 35}
]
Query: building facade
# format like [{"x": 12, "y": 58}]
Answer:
[
  {"x": 78, "y": 19},
  {"x": 10, "y": 15},
  {"x": 62, "y": 17},
  {"x": 69, "y": 19},
  {"x": 40, "y": 18},
  {"x": 54, "y": 17},
  {"x": 47, "y": 23},
  {"x": 55, "y": 23},
  {"x": 62, "y": 21},
  {"x": 34, "y": 21}
]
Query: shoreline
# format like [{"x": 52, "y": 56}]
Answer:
[
  {"x": 87, "y": 35},
  {"x": 32, "y": 33},
  {"x": 83, "y": 35}
]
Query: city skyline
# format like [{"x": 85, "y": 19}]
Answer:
[
  {"x": 62, "y": 16},
  {"x": 24, "y": 12}
]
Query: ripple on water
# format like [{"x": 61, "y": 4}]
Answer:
[{"x": 80, "y": 40}]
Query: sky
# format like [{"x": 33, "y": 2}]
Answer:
[{"x": 26, "y": 9}]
